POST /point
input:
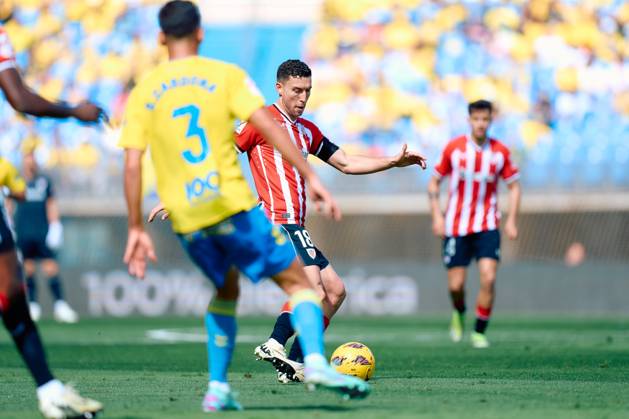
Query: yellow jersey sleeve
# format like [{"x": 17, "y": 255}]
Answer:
[
  {"x": 134, "y": 126},
  {"x": 12, "y": 179},
  {"x": 244, "y": 96}
]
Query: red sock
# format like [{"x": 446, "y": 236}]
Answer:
[
  {"x": 483, "y": 313},
  {"x": 482, "y": 318},
  {"x": 286, "y": 308}
]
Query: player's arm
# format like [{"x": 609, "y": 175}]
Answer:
[
  {"x": 52, "y": 210},
  {"x": 510, "y": 174},
  {"x": 362, "y": 165},
  {"x": 9, "y": 206},
  {"x": 139, "y": 244},
  {"x": 511, "y": 225},
  {"x": 438, "y": 221},
  {"x": 134, "y": 141},
  {"x": 23, "y": 99},
  {"x": 272, "y": 133},
  {"x": 442, "y": 169}
]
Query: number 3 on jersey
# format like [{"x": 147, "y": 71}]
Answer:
[{"x": 194, "y": 130}]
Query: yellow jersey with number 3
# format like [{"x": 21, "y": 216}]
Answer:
[{"x": 184, "y": 111}]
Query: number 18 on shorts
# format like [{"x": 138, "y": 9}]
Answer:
[{"x": 304, "y": 246}]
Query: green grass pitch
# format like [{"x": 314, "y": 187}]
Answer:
[{"x": 537, "y": 368}]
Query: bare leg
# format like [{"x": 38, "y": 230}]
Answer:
[
  {"x": 334, "y": 291},
  {"x": 484, "y": 303},
  {"x": 456, "y": 287}
]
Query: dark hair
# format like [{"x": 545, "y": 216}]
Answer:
[
  {"x": 293, "y": 68},
  {"x": 179, "y": 18},
  {"x": 480, "y": 105}
]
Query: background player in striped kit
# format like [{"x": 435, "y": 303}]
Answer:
[
  {"x": 282, "y": 196},
  {"x": 469, "y": 228}
]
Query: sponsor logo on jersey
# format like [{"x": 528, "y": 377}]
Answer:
[{"x": 203, "y": 189}]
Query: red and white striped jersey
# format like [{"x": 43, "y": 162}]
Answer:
[
  {"x": 281, "y": 189},
  {"x": 472, "y": 194},
  {"x": 7, "y": 56}
]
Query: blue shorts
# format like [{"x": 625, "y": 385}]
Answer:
[
  {"x": 459, "y": 251},
  {"x": 247, "y": 241}
]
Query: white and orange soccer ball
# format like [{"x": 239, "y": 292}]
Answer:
[{"x": 354, "y": 358}]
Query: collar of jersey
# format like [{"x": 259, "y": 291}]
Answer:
[
  {"x": 284, "y": 115},
  {"x": 473, "y": 143}
]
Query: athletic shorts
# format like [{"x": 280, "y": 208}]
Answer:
[
  {"x": 459, "y": 251},
  {"x": 247, "y": 241},
  {"x": 34, "y": 248},
  {"x": 6, "y": 236},
  {"x": 309, "y": 253}
]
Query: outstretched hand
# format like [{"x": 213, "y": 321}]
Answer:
[
  {"x": 408, "y": 157},
  {"x": 87, "y": 112},
  {"x": 139, "y": 249}
]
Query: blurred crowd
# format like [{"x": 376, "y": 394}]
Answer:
[
  {"x": 74, "y": 50},
  {"x": 385, "y": 72},
  {"x": 392, "y": 71}
]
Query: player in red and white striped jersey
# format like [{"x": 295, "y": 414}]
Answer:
[
  {"x": 469, "y": 227},
  {"x": 282, "y": 196},
  {"x": 281, "y": 190}
]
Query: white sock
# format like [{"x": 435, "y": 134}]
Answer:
[
  {"x": 51, "y": 389},
  {"x": 220, "y": 386},
  {"x": 314, "y": 360}
]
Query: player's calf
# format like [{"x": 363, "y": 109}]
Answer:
[{"x": 18, "y": 322}]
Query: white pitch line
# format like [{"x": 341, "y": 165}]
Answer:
[{"x": 175, "y": 336}]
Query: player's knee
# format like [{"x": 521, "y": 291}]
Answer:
[
  {"x": 228, "y": 294},
  {"x": 487, "y": 280},
  {"x": 320, "y": 292},
  {"x": 337, "y": 294},
  {"x": 50, "y": 268},
  {"x": 29, "y": 268},
  {"x": 456, "y": 287},
  {"x": 230, "y": 290},
  {"x": 293, "y": 279}
]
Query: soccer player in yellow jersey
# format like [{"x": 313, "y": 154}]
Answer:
[{"x": 184, "y": 111}]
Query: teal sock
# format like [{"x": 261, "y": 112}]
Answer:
[
  {"x": 220, "y": 322},
  {"x": 307, "y": 319}
]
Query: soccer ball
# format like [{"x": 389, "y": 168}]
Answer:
[{"x": 354, "y": 358}]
